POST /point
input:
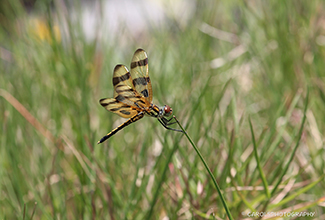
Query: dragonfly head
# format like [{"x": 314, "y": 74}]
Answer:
[{"x": 167, "y": 111}]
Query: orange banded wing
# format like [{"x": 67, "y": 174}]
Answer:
[
  {"x": 119, "y": 108},
  {"x": 130, "y": 97},
  {"x": 140, "y": 74},
  {"x": 124, "y": 90},
  {"x": 121, "y": 76}
]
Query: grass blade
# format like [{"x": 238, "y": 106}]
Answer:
[
  {"x": 266, "y": 186},
  {"x": 295, "y": 148},
  {"x": 209, "y": 171}
]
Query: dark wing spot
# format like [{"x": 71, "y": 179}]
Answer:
[
  {"x": 139, "y": 63},
  {"x": 119, "y": 90},
  {"x": 141, "y": 81},
  {"x": 140, "y": 101},
  {"x": 125, "y": 112},
  {"x": 125, "y": 90},
  {"x": 104, "y": 104},
  {"x": 119, "y": 108},
  {"x": 117, "y": 67},
  {"x": 145, "y": 93},
  {"x": 122, "y": 78},
  {"x": 119, "y": 98},
  {"x": 139, "y": 50}
]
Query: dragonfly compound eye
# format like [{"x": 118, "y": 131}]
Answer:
[{"x": 168, "y": 110}]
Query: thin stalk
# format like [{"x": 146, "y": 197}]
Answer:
[
  {"x": 259, "y": 166},
  {"x": 209, "y": 171}
]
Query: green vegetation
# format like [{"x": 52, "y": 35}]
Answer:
[{"x": 245, "y": 79}]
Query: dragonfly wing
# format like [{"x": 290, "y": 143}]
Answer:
[
  {"x": 124, "y": 90},
  {"x": 121, "y": 76},
  {"x": 119, "y": 108},
  {"x": 130, "y": 97},
  {"x": 140, "y": 74}
]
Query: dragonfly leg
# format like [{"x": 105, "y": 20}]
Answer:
[{"x": 165, "y": 123}]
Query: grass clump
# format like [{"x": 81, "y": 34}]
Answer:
[{"x": 244, "y": 80}]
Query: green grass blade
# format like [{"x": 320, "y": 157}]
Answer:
[
  {"x": 266, "y": 186},
  {"x": 285, "y": 169},
  {"x": 209, "y": 171}
]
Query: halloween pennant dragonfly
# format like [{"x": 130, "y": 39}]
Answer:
[{"x": 133, "y": 95}]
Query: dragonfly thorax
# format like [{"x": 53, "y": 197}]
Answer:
[
  {"x": 165, "y": 111},
  {"x": 159, "y": 112}
]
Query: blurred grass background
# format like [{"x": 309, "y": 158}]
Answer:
[{"x": 216, "y": 63}]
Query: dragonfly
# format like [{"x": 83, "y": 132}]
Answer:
[{"x": 133, "y": 95}]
